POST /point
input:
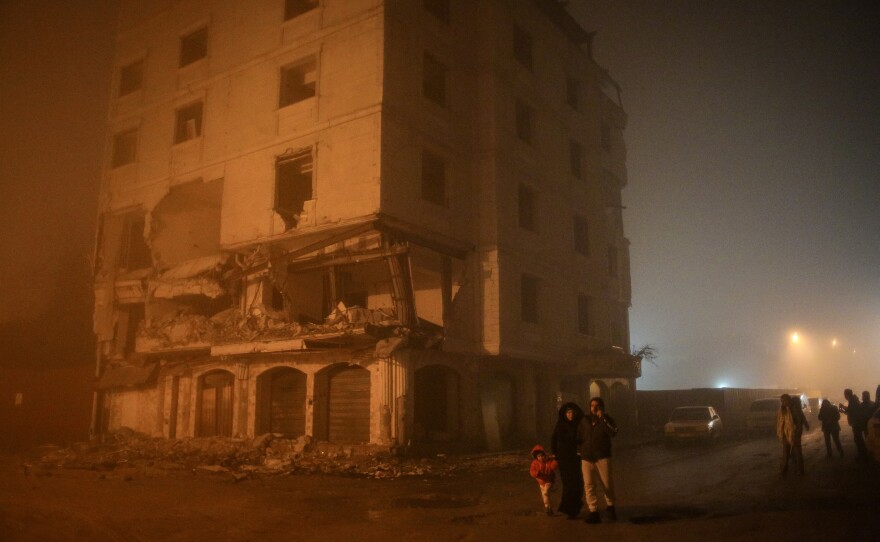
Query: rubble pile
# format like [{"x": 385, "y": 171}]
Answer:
[
  {"x": 266, "y": 455},
  {"x": 258, "y": 323}
]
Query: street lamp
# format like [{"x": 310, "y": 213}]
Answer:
[{"x": 795, "y": 338}]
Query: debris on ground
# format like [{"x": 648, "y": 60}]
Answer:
[{"x": 266, "y": 455}]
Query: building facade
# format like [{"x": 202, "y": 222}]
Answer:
[{"x": 367, "y": 221}]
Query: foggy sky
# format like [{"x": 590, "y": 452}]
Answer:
[
  {"x": 753, "y": 189},
  {"x": 752, "y": 203}
]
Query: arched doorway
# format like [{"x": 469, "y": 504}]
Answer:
[
  {"x": 215, "y": 404},
  {"x": 598, "y": 389},
  {"x": 347, "y": 403},
  {"x": 436, "y": 397},
  {"x": 281, "y": 402}
]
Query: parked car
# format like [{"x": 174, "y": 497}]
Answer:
[
  {"x": 762, "y": 415},
  {"x": 873, "y": 440},
  {"x": 693, "y": 423}
]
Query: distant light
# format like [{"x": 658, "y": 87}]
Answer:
[
  {"x": 834, "y": 343},
  {"x": 721, "y": 385},
  {"x": 795, "y": 338}
]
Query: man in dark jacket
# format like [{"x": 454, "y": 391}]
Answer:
[
  {"x": 594, "y": 446},
  {"x": 855, "y": 419}
]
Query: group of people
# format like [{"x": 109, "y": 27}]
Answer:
[
  {"x": 581, "y": 452},
  {"x": 791, "y": 423}
]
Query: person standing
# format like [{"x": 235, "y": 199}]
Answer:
[
  {"x": 785, "y": 430},
  {"x": 830, "y": 418},
  {"x": 564, "y": 446},
  {"x": 868, "y": 407},
  {"x": 800, "y": 424},
  {"x": 854, "y": 418},
  {"x": 594, "y": 435}
]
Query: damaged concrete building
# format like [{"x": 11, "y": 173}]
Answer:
[{"x": 384, "y": 222}]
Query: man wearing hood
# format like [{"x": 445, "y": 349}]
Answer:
[
  {"x": 564, "y": 445},
  {"x": 594, "y": 435}
]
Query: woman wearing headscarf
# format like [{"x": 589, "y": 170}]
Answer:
[{"x": 564, "y": 446}]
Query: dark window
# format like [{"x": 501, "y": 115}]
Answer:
[
  {"x": 433, "y": 178},
  {"x": 572, "y": 92},
  {"x": 526, "y": 206},
  {"x": 293, "y": 185},
  {"x": 529, "y": 298},
  {"x": 131, "y": 77},
  {"x": 605, "y": 135},
  {"x": 298, "y": 82},
  {"x": 584, "y": 321},
  {"x": 581, "y": 236},
  {"x": 523, "y": 122},
  {"x": 295, "y": 8},
  {"x": 576, "y": 159},
  {"x": 522, "y": 47},
  {"x": 193, "y": 46},
  {"x": 434, "y": 80},
  {"x": 438, "y": 8},
  {"x": 612, "y": 261},
  {"x": 134, "y": 252},
  {"x": 124, "y": 148},
  {"x": 188, "y": 124}
]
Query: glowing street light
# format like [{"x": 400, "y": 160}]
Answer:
[
  {"x": 795, "y": 338},
  {"x": 834, "y": 342}
]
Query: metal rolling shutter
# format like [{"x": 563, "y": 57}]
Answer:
[{"x": 349, "y": 412}]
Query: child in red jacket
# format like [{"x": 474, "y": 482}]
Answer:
[{"x": 543, "y": 470}]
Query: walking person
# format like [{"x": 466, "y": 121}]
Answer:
[
  {"x": 543, "y": 470},
  {"x": 800, "y": 424},
  {"x": 785, "y": 430},
  {"x": 594, "y": 435},
  {"x": 855, "y": 419},
  {"x": 868, "y": 407},
  {"x": 830, "y": 418},
  {"x": 564, "y": 446}
]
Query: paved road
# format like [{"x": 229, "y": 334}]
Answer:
[{"x": 730, "y": 491}]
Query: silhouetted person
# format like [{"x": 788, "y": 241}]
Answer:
[
  {"x": 830, "y": 418},
  {"x": 564, "y": 446},
  {"x": 790, "y": 423},
  {"x": 856, "y": 420},
  {"x": 868, "y": 408}
]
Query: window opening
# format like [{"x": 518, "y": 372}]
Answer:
[
  {"x": 188, "y": 124},
  {"x": 293, "y": 185},
  {"x": 193, "y": 47},
  {"x": 522, "y": 47},
  {"x": 434, "y": 80},
  {"x": 131, "y": 77},
  {"x": 298, "y": 82},
  {"x": 295, "y": 8},
  {"x": 438, "y": 8},
  {"x": 124, "y": 148}
]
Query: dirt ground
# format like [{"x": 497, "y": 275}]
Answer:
[{"x": 489, "y": 497}]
